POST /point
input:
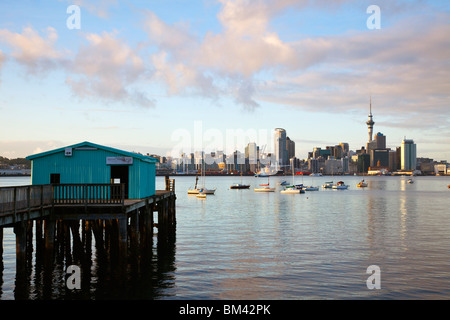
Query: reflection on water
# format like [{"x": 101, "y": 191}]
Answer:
[
  {"x": 239, "y": 244},
  {"x": 103, "y": 274}
]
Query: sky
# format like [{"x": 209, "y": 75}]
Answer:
[{"x": 165, "y": 77}]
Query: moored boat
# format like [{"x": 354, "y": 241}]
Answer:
[
  {"x": 240, "y": 186},
  {"x": 295, "y": 189},
  {"x": 328, "y": 185},
  {"x": 362, "y": 184},
  {"x": 340, "y": 186},
  {"x": 264, "y": 189}
]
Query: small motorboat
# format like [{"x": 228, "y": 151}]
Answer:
[
  {"x": 328, "y": 185},
  {"x": 310, "y": 188},
  {"x": 240, "y": 186},
  {"x": 362, "y": 184},
  {"x": 410, "y": 181},
  {"x": 283, "y": 183},
  {"x": 340, "y": 186}
]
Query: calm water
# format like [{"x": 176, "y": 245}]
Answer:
[{"x": 239, "y": 244}]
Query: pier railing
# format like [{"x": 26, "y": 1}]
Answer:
[
  {"x": 88, "y": 194},
  {"x": 170, "y": 184},
  {"x": 25, "y": 198}
]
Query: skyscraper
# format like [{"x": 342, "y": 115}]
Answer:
[
  {"x": 408, "y": 155},
  {"x": 280, "y": 150},
  {"x": 290, "y": 146}
]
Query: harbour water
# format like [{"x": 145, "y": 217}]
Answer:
[{"x": 240, "y": 244}]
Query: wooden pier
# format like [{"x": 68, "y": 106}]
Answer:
[{"x": 76, "y": 212}]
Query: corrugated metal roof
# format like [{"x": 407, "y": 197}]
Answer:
[{"x": 93, "y": 145}]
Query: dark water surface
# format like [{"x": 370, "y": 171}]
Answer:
[{"x": 239, "y": 244}]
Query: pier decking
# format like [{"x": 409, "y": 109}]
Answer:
[{"x": 102, "y": 210}]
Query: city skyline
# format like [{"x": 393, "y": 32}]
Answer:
[{"x": 135, "y": 73}]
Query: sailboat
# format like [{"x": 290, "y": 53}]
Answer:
[
  {"x": 201, "y": 194},
  {"x": 311, "y": 188},
  {"x": 294, "y": 189},
  {"x": 204, "y": 189},
  {"x": 265, "y": 187},
  {"x": 240, "y": 185},
  {"x": 195, "y": 190}
]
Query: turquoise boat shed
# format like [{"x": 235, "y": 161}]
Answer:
[{"x": 89, "y": 163}]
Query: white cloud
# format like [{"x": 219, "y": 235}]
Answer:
[
  {"x": 108, "y": 68},
  {"x": 32, "y": 50}
]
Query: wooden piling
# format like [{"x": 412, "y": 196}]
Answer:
[
  {"x": 123, "y": 238},
  {"x": 1, "y": 245},
  {"x": 20, "y": 229},
  {"x": 49, "y": 241}
]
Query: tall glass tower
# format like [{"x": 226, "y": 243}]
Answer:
[
  {"x": 408, "y": 155},
  {"x": 280, "y": 149}
]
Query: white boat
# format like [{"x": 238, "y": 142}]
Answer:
[
  {"x": 315, "y": 175},
  {"x": 293, "y": 189},
  {"x": 267, "y": 171},
  {"x": 264, "y": 189},
  {"x": 195, "y": 190},
  {"x": 310, "y": 188},
  {"x": 340, "y": 186}
]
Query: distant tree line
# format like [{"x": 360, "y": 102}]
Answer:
[{"x": 22, "y": 162}]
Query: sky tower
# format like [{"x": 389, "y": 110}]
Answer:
[{"x": 370, "y": 122}]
